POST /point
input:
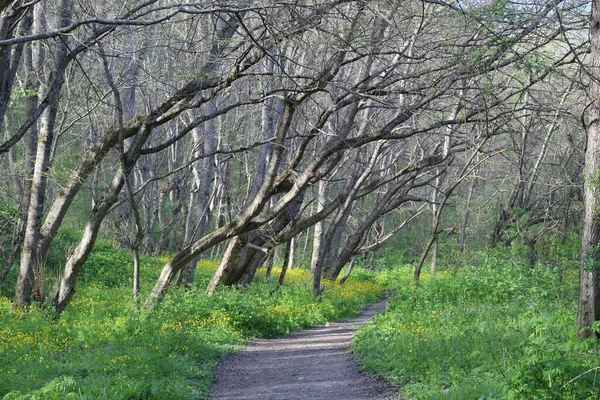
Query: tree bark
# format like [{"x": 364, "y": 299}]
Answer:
[
  {"x": 463, "y": 227},
  {"x": 349, "y": 270},
  {"x": 30, "y": 279},
  {"x": 232, "y": 251},
  {"x": 318, "y": 229},
  {"x": 588, "y": 310},
  {"x": 288, "y": 260},
  {"x": 11, "y": 23}
]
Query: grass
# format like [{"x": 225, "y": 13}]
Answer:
[
  {"x": 484, "y": 327},
  {"x": 493, "y": 330},
  {"x": 101, "y": 349}
]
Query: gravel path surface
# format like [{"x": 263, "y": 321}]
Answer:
[{"x": 311, "y": 364}]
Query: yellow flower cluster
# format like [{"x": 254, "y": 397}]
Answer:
[
  {"x": 171, "y": 326},
  {"x": 294, "y": 275},
  {"x": 352, "y": 289},
  {"x": 207, "y": 265}
]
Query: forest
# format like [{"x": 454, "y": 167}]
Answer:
[{"x": 177, "y": 177}]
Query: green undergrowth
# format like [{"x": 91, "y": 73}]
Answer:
[
  {"x": 101, "y": 349},
  {"x": 495, "y": 330}
]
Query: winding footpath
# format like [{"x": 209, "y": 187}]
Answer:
[{"x": 311, "y": 364}]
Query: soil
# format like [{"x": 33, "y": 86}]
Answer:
[{"x": 311, "y": 364}]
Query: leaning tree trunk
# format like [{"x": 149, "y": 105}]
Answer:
[
  {"x": 243, "y": 269},
  {"x": 394, "y": 196},
  {"x": 232, "y": 251},
  {"x": 71, "y": 271},
  {"x": 348, "y": 271}
]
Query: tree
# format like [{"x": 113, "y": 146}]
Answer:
[
  {"x": 224, "y": 119},
  {"x": 588, "y": 310},
  {"x": 30, "y": 272}
]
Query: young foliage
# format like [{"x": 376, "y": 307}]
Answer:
[
  {"x": 101, "y": 348},
  {"x": 495, "y": 330}
]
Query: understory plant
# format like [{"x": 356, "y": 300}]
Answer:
[
  {"x": 103, "y": 347},
  {"x": 492, "y": 330}
]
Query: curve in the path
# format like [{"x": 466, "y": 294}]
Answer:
[{"x": 311, "y": 364}]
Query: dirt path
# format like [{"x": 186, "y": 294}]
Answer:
[{"x": 311, "y": 364}]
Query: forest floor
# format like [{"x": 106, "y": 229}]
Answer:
[{"x": 310, "y": 364}]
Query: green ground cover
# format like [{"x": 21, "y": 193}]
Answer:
[
  {"x": 102, "y": 349},
  {"x": 494, "y": 329}
]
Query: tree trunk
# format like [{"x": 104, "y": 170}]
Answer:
[
  {"x": 33, "y": 60},
  {"x": 72, "y": 268},
  {"x": 232, "y": 251},
  {"x": 318, "y": 229},
  {"x": 530, "y": 243},
  {"x": 30, "y": 280},
  {"x": 269, "y": 264},
  {"x": 588, "y": 310},
  {"x": 349, "y": 271},
  {"x": 288, "y": 260},
  {"x": 436, "y": 220},
  {"x": 250, "y": 270},
  {"x": 204, "y": 170},
  {"x": 435, "y": 198},
  {"x": 11, "y": 23},
  {"x": 463, "y": 227}
]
